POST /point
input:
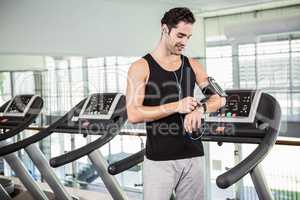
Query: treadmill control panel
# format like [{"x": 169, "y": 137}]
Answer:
[
  {"x": 19, "y": 105},
  {"x": 99, "y": 106},
  {"x": 241, "y": 106}
]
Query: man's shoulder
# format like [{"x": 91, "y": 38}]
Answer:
[
  {"x": 192, "y": 61},
  {"x": 140, "y": 63},
  {"x": 140, "y": 66},
  {"x": 195, "y": 64}
]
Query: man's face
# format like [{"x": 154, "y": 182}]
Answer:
[{"x": 178, "y": 37}]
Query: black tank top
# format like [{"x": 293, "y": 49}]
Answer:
[{"x": 166, "y": 139}]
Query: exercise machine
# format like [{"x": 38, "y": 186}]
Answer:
[
  {"x": 249, "y": 116},
  {"x": 99, "y": 114},
  {"x": 15, "y": 116},
  {"x": 19, "y": 113}
]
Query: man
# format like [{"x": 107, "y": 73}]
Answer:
[{"x": 160, "y": 93}]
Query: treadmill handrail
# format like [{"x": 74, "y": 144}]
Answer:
[
  {"x": 136, "y": 158},
  {"x": 234, "y": 174},
  {"x": 249, "y": 163},
  {"x": 126, "y": 163},
  {"x": 18, "y": 129},
  {"x": 31, "y": 117},
  {"x": 82, "y": 151},
  {"x": 13, "y": 147},
  {"x": 225, "y": 180}
]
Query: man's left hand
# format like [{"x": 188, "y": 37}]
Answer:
[{"x": 192, "y": 121}]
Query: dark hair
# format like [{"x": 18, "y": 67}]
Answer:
[{"x": 175, "y": 15}]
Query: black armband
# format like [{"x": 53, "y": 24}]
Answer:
[{"x": 213, "y": 88}]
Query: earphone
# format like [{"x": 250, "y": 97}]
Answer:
[
  {"x": 178, "y": 83},
  {"x": 164, "y": 29}
]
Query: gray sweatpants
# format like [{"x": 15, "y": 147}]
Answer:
[{"x": 184, "y": 176}]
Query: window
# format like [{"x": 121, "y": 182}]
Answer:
[
  {"x": 295, "y": 47},
  {"x": 63, "y": 85},
  {"x": 50, "y": 95},
  {"x": 96, "y": 75},
  {"x": 273, "y": 65},
  {"x": 247, "y": 66},
  {"x": 23, "y": 83},
  {"x": 219, "y": 65},
  {"x": 276, "y": 67},
  {"x": 122, "y": 71},
  {"x": 5, "y": 87},
  {"x": 295, "y": 71},
  {"x": 76, "y": 80}
]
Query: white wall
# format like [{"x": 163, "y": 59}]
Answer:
[
  {"x": 247, "y": 26},
  {"x": 21, "y": 62},
  {"x": 86, "y": 28}
]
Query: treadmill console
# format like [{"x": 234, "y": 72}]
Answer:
[
  {"x": 100, "y": 106},
  {"x": 19, "y": 106},
  {"x": 241, "y": 106},
  {"x": 95, "y": 114}
]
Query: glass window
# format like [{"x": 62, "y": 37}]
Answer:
[
  {"x": 5, "y": 87},
  {"x": 63, "y": 85},
  {"x": 295, "y": 104},
  {"x": 219, "y": 65},
  {"x": 112, "y": 79},
  {"x": 121, "y": 60},
  {"x": 50, "y": 87},
  {"x": 96, "y": 75},
  {"x": 273, "y": 64},
  {"x": 122, "y": 71},
  {"x": 276, "y": 66},
  {"x": 295, "y": 46},
  {"x": 77, "y": 86},
  {"x": 111, "y": 60},
  {"x": 247, "y": 66},
  {"x": 23, "y": 83},
  {"x": 221, "y": 158}
]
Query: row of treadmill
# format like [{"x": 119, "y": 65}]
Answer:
[{"x": 249, "y": 116}]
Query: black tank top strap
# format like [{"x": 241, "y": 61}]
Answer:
[{"x": 149, "y": 59}]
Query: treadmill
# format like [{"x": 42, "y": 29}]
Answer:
[
  {"x": 249, "y": 116},
  {"x": 101, "y": 114},
  {"x": 18, "y": 114},
  {"x": 15, "y": 116}
]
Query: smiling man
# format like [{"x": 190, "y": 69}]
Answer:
[{"x": 160, "y": 92}]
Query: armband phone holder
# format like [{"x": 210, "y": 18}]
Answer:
[{"x": 216, "y": 87}]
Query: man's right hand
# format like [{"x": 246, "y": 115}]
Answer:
[{"x": 186, "y": 105}]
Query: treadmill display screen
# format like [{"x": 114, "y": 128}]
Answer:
[
  {"x": 100, "y": 106},
  {"x": 237, "y": 105},
  {"x": 19, "y": 104},
  {"x": 240, "y": 106}
]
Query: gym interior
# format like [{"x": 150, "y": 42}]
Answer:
[{"x": 59, "y": 55}]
